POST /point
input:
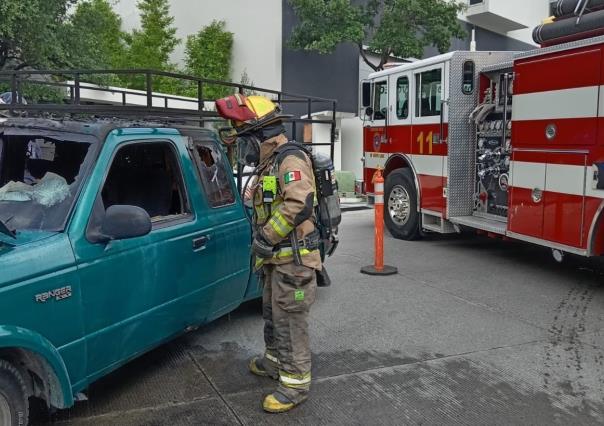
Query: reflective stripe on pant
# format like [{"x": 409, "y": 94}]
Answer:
[{"x": 291, "y": 290}]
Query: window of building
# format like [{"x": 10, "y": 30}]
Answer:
[
  {"x": 214, "y": 176},
  {"x": 147, "y": 175},
  {"x": 380, "y": 100},
  {"x": 428, "y": 90},
  {"x": 402, "y": 97}
]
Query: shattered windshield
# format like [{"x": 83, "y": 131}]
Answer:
[{"x": 39, "y": 179}]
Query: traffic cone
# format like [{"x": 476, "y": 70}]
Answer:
[{"x": 378, "y": 268}]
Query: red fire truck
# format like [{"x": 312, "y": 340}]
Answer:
[{"x": 510, "y": 144}]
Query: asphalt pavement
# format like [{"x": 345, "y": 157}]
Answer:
[{"x": 471, "y": 331}]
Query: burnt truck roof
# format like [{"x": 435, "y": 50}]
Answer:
[{"x": 98, "y": 128}]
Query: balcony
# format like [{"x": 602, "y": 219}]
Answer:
[{"x": 501, "y": 16}]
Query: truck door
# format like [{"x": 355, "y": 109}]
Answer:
[
  {"x": 131, "y": 288},
  {"x": 428, "y": 153},
  {"x": 399, "y": 123},
  {"x": 229, "y": 247},
  {"x": 527, "y": 183},
  {"x": 375, "y": 130}
]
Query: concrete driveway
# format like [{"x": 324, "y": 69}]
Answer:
[{"x": 471, "y": 331}]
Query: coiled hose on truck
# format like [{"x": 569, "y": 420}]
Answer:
[
  {"x": 568, "y": 7},
  {"x": 563, "y": 30}
]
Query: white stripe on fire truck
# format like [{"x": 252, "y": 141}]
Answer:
[
  {"x": 527, "y": 175},
  {"x": 432, "y": 165},
  {"x": 579, "y": 102},
  {"x": 373, "y": 160},
  {"x": 560, "y": 178}
]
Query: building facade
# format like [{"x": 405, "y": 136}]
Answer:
[{"x": 261, "y": 30}]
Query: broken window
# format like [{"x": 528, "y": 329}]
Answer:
[
  {"x": 147, "y": 175},
  {"x": 214, "y": 176},
  {"x": 39, "y": 179}
]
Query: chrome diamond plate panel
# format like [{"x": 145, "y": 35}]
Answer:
[{"x": 462, "y": 134}]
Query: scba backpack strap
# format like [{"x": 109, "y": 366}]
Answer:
[{"x": 327, "y": 211}]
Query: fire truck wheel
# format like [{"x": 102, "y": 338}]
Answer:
[{"x": 400, "y": 205}]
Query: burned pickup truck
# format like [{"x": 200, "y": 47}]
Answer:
[{"x": 115, "y": 236}]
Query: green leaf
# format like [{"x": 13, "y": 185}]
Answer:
[
  {"x": 208, "y": 55},
  {"x": 400, "y": 28}
]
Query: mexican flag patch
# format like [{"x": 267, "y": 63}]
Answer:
[{"x": 292, "y": 176}]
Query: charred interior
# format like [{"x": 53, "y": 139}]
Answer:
[{"x": 39, "y": 177}]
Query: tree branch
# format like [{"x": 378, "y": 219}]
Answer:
[{"x": 366, "y": 59}]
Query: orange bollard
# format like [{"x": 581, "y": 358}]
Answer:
[{"x": 378, "y": 267}]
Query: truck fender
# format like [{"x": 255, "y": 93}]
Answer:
[
  {"x": 595, "y": 238},
  {"x": 21, "y": 339},
  {"x": 401, "y": 161}
]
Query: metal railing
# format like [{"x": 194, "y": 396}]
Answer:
[{"x": 73, "y": 82}]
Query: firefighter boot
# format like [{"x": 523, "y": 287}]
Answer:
[
  {"x": 266, "y": 366},
  {"x": 276, "y": 402}
]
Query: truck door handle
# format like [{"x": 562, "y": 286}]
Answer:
[{"x": 199, "y": 243}]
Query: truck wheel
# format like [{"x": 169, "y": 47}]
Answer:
[
  {"x": 400, "y": 205},
  {"x": 14, "y": 409}
]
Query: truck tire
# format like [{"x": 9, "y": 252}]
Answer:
[
  {"x": 14, "y": 408},
  {"x": 400, "y": 205}
]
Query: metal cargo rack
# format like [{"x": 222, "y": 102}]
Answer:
[{"x": 152, "y": 107}]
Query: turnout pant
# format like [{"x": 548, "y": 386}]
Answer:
[{"x": 289, "y": 291}]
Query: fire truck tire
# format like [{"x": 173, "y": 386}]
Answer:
[{"x": 400, "y": 205}]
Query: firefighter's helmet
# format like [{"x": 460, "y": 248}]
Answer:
[{"x": 246, "y": 114}]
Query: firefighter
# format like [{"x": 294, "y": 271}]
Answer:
[{"x": 285, "y": 243}]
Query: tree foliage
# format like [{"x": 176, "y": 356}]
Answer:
[
  {"x": 150, "y": 46},
  {"x": 97, "y": 39},
  {"x": 32, "y": 33},
  {"x": 208, "y": 55},
  {"x": 401, "y": 28},
  {"x": 87, "y": 34}
]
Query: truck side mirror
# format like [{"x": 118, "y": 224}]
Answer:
[
  {"x": 366, "y": 94},
  {"x": 369, "y": 112},
  {"x": 122, "y": 222}
]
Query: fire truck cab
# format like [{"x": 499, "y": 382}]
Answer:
[{"x": 509, "y": 144}]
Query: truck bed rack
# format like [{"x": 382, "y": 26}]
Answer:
[{"x": 70, "y": 85}]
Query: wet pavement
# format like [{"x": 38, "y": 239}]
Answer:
[{"x": 471, "y": 331}]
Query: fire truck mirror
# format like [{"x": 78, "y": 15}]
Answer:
[
  {"x": 369, "y": 112},
  {"x": 467, "y": 84},
  {"x": 366, "y": 97}
]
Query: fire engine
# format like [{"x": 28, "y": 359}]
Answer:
[{"x": 509, "y": 144}]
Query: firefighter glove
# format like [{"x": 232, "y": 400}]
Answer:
[{"x": 261, "y": 247}]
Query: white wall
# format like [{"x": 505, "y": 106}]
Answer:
[
  {"x": 527, "y": 12},
  {"x": 256, "y": 26}
]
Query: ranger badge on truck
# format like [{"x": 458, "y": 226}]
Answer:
[{"x": 57, "y": 294}]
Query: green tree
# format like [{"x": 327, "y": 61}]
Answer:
[
  {"x": 401, "y": 28},
  {"x": 208, "y": 54},
  {"x": 96, "y": 35},
  {"x": 32, "y": 34},
  {"x": 150, "y": 46}
]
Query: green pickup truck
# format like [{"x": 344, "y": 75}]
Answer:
[{"x": 115, "y": 236}]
